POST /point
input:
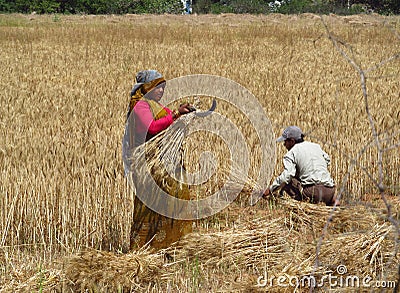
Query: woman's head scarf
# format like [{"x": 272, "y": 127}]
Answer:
[{"x": 146, "y": 80}]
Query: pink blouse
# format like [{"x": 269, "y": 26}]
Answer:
[{"x": 145, "y": 125}]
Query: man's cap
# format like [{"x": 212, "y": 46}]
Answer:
[{"x": 291, "y": 132}]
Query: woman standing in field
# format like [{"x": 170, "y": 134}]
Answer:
[{"x": 145, "y": 119}]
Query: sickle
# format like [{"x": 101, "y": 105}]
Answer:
[{"x": 208, "y": 112}]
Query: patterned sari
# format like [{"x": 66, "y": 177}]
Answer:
[{"x": 148, "y": 226}]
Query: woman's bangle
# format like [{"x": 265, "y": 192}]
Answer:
[{"x": 176, "y": 114}]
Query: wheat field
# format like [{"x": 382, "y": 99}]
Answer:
[{"x": 65, "y": 83}]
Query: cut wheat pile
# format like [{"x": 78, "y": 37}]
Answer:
[
  {"x": 96, "y": 270},
  {"x": 261, "y": 247},
  {"x": 288, "y": 245}
]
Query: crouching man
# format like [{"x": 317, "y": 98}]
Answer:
[{"x": 305, "y": 176}]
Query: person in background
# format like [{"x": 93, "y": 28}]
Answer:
[
  {"x": 305, "y": 176},
  {"x": 188, "y": 9},
  {"x": 186, "y": 6}
]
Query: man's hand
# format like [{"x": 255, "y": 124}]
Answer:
[{"x": 266, "y": 193}]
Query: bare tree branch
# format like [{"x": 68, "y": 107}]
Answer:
[
  {"x": 383, "y": 62},
  {"x": 393, "y": 30},
  {"x": 379, "y": 182},
  {"x": 395, "y": 146}
]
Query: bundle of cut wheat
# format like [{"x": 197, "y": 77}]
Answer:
[
  {"x": 258, "y": 244},
  {"x": 94, "y": 271},
  {"x": 362, "y": 252},
  {"x": 46, "y": 280},
  {"x": 307, "y": 216}
]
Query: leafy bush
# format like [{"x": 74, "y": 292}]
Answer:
[
  {"x": 250, "y": 6},
  {"x": 39, "y": 6},
  {"x": 159, "y": 6},
  {"x": 297, "y": 6},
  {"x": 217, "y": 8},
  {"x": 200, "y": 6},
  {"x": 7, "y": 6}
]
